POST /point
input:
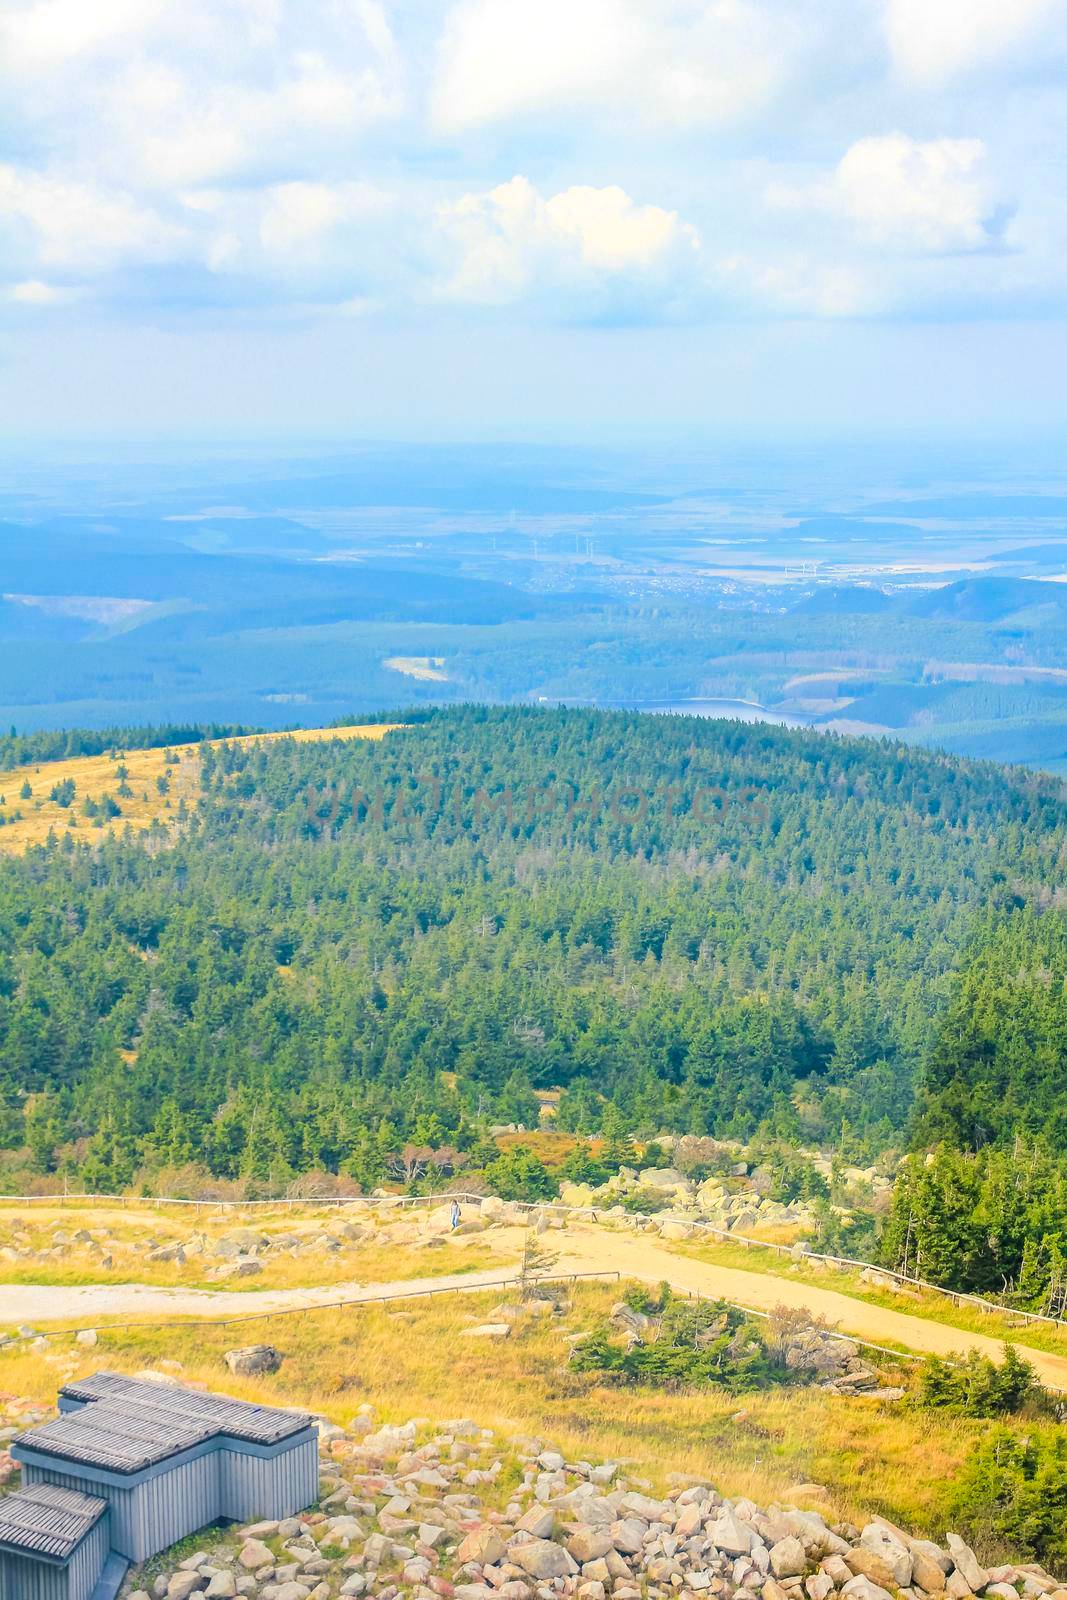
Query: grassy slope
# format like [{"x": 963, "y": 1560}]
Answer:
[
  {"x": 413, "y": 1360},
  {"x": 119, "y": 1230},
  {"x": 96, "y": 776},
  {"x": 913, "y": 1302}
]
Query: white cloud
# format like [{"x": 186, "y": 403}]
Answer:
[
  {"x": 157, "y": 94},
  {"x": 512, "y": 242},
  {"x": 298, "y": 216},
  {"x": 33, "y": 292},
  {"x": 662, "y": 61},
  {"x": 931, "y": 196},
  {"x": 79, "y": 225},
  {"x": 800, "y": 286},
  {"x": 47, "y": 33},
  {"x": 933, "y": 40}
]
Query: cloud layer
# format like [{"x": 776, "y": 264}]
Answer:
[{"x": 559, "y": 160}]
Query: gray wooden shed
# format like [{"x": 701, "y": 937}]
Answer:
[
  {"x": 169, "y": 1460},
  {"x": 54, "y": 1543}
]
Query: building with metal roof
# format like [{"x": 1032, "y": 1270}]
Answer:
[
  {"x": 159, "y": 1461},
  {"x": 54, "y": 1544}
]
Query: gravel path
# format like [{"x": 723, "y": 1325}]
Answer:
[{"x": 581, "y": 1247}]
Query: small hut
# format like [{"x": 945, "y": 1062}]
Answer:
[{"x": 161, "y": 1461}]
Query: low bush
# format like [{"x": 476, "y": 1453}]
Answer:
[
  {"x": 697, "y": 1345},
  {"x": 978, "y": 1387},
  {"x": 1011, "y": 1494}
]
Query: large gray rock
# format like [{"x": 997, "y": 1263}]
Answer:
[
  {"x": 788, "y": 1559},
  {"x": 223, "y": 1586},
  {"x": 253, "y": 1360},
  {"x": 539, "y": 1522},
  {"x": 183, "y": 1584},
  {"x": 589, "y": 1544},
  {"x": 542, "y": 1559},
  {"x": 255, "y": 1554},
  {"x": 897, "y": 1559},
  {"x": 483, "y": 1545},
  {"x": 730, "y": 1535},
  {"x": 966, "y": 1563},
  {"x": 861, "y": 1588}
]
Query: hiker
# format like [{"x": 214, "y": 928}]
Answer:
[{"x": 455, "y": 1215}]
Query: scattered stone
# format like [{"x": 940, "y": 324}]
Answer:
[
  {"x": 253, "y": 1360},
  {"x": 255, "y": 1554}
]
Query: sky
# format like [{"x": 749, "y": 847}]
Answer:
[{"x": 482, "y": 217}]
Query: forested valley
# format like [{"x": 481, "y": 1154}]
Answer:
[{"x": 681, "y": 926}]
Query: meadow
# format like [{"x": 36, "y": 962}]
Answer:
[
  {"x": 413, "y": 1359},
  {"x": 135, "y": 789},
  {"x": 117, "y": 1245},
  {"x": 914, "y": 1302}
]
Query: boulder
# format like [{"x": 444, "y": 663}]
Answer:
[
  {"x": 788, "y": 1559},
  {"x": 966, "y": 1563},
  {"x": 661, "y": 1178},
  {"x": 488, "y": 1330},
  {"x": 253, "y": 1360},
  {"x": 870, "y": 1564},
  {"x": 628, "y": 1535},
  {"x": 728, "y": 1534},
  {"x": 539, "y": 1522},
  {"x": 861, "y": 1588},
  {"x": 483, "y": 1545},
  {"x": 543, "y": 1559},
  {"x": 818, "y": 1586},
  {"x": 255, "y": 1554},
  {"x": 877, "y": 1538},
  {"x": 587, "y": 1543},
  {"x": 183, "y": 1584},
  {"x": 223, "y": 1586}
]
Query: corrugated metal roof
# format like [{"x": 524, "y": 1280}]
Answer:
[
  {"x": 237, "y": 1418},
  {"x": 117, "y": 1435},
  {"x": 128, "y": 1424},
  {"x": 45, "y": 1520}
]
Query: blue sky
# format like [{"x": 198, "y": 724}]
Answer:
[{"x": 498, "y": 215}]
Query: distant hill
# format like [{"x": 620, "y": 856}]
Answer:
[
  {"x": 843, "y": 600},
  {"x": 226, "y": 591},
  {"x": 986, "y": 599},
  {"x": 340, "y": 947}
]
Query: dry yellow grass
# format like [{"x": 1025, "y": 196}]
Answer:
[
  {"x": 428, "y": 669},
  {"x": 38, "y": 815},
  {"x": 411, "y": 1360},
  {"x": 123, "y": 1233}
]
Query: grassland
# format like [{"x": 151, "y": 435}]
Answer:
[
  {"x": 427, "y": 669},
  {"x": 914, "y": 1302},
  {"x": 128, "y": 1237},
  {"x": 157, "y": 781},
  {"x": 413, "y": 1360}
]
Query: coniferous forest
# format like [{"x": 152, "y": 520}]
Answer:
[{"x": 684, "y": 926}]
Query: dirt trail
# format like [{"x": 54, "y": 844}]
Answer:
[{"x": 581, "y": 1247}]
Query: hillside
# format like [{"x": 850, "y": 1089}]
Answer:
[
  {"x": 683, "y": 926},
  {"x": 135, "y": 788}
]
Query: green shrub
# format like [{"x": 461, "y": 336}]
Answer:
[
  {"x": 978, "y": 1387},
  {"x": 698, "y": 1344},
  {"x": 1011, "y": 1494},
  {"x": 517, "y": 1174},
  {"x": 646, "y": 1202}
]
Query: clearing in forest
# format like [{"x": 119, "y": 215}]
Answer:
[
  {"x": 428, "y": 669},
  {"x": 92, "y": 796}
]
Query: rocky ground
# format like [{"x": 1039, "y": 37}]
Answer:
[
  {"x": 451, "y": 1512},
  {"x": 244, "y": 1251}
]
